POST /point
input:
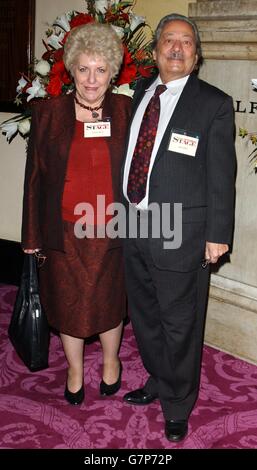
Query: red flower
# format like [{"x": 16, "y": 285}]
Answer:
[
  {"x": 128, "y": 70},
  {"x": 54, "y": 87},
  {"x": 78, "y": 20},
  {"x": 145, "y": 70},
  {"x": 58, "y": 77},
  {"x": 127, "y": 59},
  {"x": 127, "y": 74},
  {"x": 81, "y": 18},
  {"x": 59, "y": 69}
]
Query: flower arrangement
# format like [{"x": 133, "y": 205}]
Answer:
[
  {"x": 252, "y": 136},
  {"x": 48, "y": 76}
]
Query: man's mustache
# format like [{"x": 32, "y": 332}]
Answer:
[{"x": 176, "y": 55}]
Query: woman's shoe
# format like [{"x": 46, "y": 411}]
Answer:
[
  {"x": 106, "y": 389},
  {"x": 74, "y": 398}
]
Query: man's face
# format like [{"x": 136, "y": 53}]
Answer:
[{"x": 175, "y": 53}]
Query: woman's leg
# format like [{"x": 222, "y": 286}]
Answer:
[
  {"x": 110, "y": 341},
  {"x": 74, "y": 352}
]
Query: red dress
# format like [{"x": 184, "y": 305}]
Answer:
[
  {"x": 88, "y": 174},
  {"x": 86, "y": 294}
]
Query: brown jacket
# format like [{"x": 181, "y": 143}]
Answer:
[{"x": 53, "y": 123}]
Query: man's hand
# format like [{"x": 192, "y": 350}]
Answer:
[{"x": 213, "y": 251}]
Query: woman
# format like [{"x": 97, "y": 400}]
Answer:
[{"x": 81, "y": 281}]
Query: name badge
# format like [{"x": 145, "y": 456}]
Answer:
[
  {"x": 183, "y": 142},
  {"x": 97, "y": 129}
]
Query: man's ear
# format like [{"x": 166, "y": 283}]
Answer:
[{"x": 154, "y": 54}]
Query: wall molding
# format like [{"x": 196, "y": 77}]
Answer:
[
  {"x": 233, "y": 292},
  {"x": 227, "y": 28}
]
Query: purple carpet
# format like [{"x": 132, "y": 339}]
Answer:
[{"x": 35, "y": 415}]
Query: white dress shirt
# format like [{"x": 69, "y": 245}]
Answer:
[{"x": 168, "y": 100}]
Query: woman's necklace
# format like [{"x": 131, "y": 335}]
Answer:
[{"x": 95, "y": 115}]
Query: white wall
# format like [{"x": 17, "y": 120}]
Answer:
[{"x": 12, "y": 163}]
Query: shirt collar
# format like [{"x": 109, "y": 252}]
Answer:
[{"x": 174, "y": 86}]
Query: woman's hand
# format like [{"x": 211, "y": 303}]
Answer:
[{"x": 31, "y": 252}]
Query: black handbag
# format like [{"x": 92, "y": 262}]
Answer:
[{"x": 28, "y": 329}]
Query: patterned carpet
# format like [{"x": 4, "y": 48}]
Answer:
[{"x": 35, "y": 415}]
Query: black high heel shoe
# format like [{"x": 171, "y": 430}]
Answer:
[
  {"x": 74, "y": 398},
  {"x": 106, "y": 390}
]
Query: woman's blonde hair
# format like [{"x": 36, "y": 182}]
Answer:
[{"x": 94, "y": 39}]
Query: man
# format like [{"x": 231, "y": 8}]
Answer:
[{"x": 191, "y": 161}]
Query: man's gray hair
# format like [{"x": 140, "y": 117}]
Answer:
[{"x": 176, "y": 17}]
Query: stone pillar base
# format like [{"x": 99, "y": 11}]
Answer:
[{"x": 231, "y": 323}]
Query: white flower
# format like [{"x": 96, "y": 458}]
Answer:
[
  {"x": 123, "y": 90},
  {"x": 118, "y": 30},
  {"x": 9, "y": 128},
  {"x": 42, "y": 67},
  {"x": 254, "y": 83},
  {"x": 24, "y": 126},
  {"x": 21, "y": 84},
  {"x": 55, "y": 40},
  {"x": 63, "y": 22},
  {"x": 36, "y": 90},
  {"x": 135, "y": 21},
  {"x": 101, "y": 6}
]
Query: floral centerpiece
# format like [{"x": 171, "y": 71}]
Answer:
[
  {"x": 48, "y": 76},
  {"x": 252, "y": 136}
]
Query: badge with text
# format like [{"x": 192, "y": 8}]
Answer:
[
  {"x": 98, "y": 128},
  {"x": 183, "y": 142}
]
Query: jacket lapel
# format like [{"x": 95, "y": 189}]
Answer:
[
  {"x": 108, "y": 113},
  {"x": 68, "y": 126}
]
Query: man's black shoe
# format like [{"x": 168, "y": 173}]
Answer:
[
  {"x": 139, "y": 397},
  {"x": 176, "y": 430}
]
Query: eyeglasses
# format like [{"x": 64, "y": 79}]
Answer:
[{"x": 40, "y": 258}]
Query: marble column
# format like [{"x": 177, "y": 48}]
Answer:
[{"x": 228, "y": 31}]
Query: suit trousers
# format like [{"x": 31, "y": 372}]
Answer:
[{"x": 167, "y": 311}]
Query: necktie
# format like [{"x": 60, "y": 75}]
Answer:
[{"x": 143, "y": 150}]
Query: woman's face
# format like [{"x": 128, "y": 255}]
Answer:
[{"x": 92, "y": 76}]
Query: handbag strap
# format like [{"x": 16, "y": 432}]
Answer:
[{"x": 29, "y": 272}]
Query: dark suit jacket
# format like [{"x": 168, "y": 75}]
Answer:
[
  {"x": 53, "y": 123},
  {"x": 204, "y": 184}
]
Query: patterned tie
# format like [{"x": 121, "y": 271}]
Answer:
[{"x": 143, "y": 150}]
